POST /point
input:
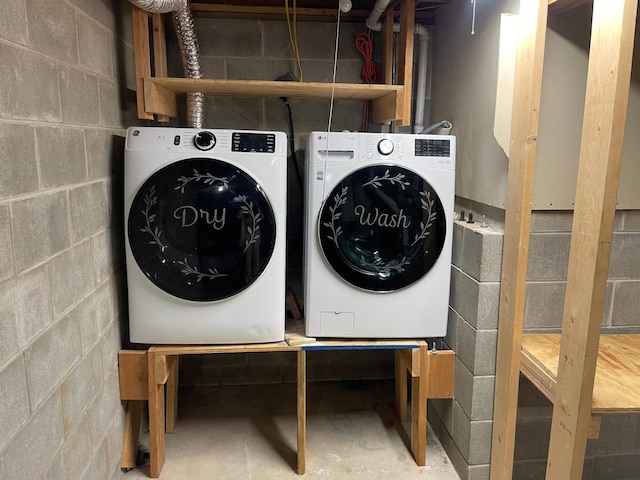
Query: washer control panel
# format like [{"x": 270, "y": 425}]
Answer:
[
  {"x": 436, "y": 147},
  {"x": 253, "y": 142}
]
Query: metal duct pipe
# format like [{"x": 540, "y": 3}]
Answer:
[{"x": 185, "y": 30}]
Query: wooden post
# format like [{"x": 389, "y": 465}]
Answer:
[
  {"x": 302, "y": 411},
  {"x": 524, "y": 133},
  {"x": 156, "y": 416},
  {"x": 172, "y": 395},
  {"x": 401, "y": 365},
  {"x": 608, "y": 78},
  {"x": 141, "y": 53},
  {"x": 405, "y": 58},
  {"x": 419, "y": 404},
  {"x": 159, "y": 52}
]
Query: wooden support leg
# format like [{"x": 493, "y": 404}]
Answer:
[
  {"x": 172, "y": 396},
  {"x": 131, "y": 434},
  {"x": 401, "y": 384},
  {"x": 302, "y": 411},
  {"x": 419, "y": 405},
  {"x": 156, "y": 418}
]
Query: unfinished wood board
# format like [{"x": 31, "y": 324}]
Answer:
[
  {"x": 405, "y": 58},
  {"x": 440, "y": 372},
  {"x": 132, "y": 371},
  {"x": 617, "y": 383},
  {"x": 302, "y": 412},
  {"x": 141, "y": 53},
  {"x": 131, "y": 434},
  {"x": 522, "y": 150},
  {"x": 606, "y": 98}
]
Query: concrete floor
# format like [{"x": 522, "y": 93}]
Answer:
[{"x": 249, "y": 432}]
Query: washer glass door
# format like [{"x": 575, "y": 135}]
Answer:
[
  {"x": 201, "y": 229},
  {"x": 382, "y": 228}
]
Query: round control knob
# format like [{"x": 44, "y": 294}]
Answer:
[
  {"x": 385, "y": 146},
  {"x": 204, "y": 140}
]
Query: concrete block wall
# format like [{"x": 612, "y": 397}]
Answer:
[
  {"x": 62, "y": 114},
  {"x": 464, "y": 424}
]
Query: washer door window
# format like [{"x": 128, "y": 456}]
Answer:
[
  {"x": 201, "y": 229},
  {"x": 382, "y": 228}
]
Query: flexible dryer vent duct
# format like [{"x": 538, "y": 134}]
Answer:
[{"x": 185, "y": 30}]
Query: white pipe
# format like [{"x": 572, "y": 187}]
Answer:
[
  {"x": 377, "y": 11},
  {"x": 421, "y": 87}
]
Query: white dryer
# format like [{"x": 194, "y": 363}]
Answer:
[
  {"x": 205, "y": 235},
  {"x": 379, "y": 220}
]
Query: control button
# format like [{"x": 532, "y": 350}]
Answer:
[
  {"x": 176, "y": 140},
  {"x": 368, "y": 155},
  {"x": 204, "y": 140},
  {"x": 385, "y": 146}
]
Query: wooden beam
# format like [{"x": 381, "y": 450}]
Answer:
[
  {"x": 142, "y": 57},
  {"x": 522, "y": 150},
  {"x": 405, "y": 57},
  {"x": 302, "y": 412},
  {"x": 402, "y": 362},
  {"x": 440, "y": 372},
  {"x": 132, "y": 369},
  {"x": 131, "y": 436},
  {"x": 608, "y": 78},
  {"x": 157, "y": 450},
  {"x": 159, "y": 100},
  {"x": 419, "y": 406},
  {"x": 159, "y": 52},
  {"x": 387, "y": 50}
]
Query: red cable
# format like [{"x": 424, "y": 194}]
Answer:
[{"x": 370, "y": 71}]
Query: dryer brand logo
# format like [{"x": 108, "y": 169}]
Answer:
[
  {"x": 189, "y": 216},
  {"x": 394, "y": 220}
]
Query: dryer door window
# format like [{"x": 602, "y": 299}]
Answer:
[
  {"x": 201, "y": 229},
  {"x": 382, "y": 228}
]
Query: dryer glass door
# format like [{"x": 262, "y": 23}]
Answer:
[
  {"x": 201, "y": 229},
  {"x": 382, "y": 228}
]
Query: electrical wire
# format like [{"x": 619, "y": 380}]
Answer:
[
  {"x": 370, "y": 71},
  {"x": 293, "y": 34},
  {"x": 335, "y": 67}
]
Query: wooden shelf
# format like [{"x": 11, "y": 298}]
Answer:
[
  {"x": 617, "y": 384},
  {"x": 160, "y": 93}
]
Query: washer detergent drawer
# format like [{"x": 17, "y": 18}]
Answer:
[{"x": 337, "y": 323}]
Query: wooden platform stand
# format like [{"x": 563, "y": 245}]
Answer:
[
  {"x": 152, "y": 376},
  {"x": 583, "y": 374}
]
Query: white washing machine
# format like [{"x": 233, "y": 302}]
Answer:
[
  {"x": 205, "y": 235},
  {"x": 379, "y": 221}
]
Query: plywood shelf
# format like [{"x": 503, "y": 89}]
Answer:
[
  {"x": 160, "y": 93},
  {"x": 617, "y": 384}
]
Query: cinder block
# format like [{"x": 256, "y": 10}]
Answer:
[
  {"x": 77, "y": 449},
  {"x": 95, "y": 47},
  {"x": 98, "y": 464},
  {"x": 52, "y": 30},
  {"x": 544, "y": 304},
  {"x": 464, "y": 295},
  {"x": 444, "y": 409},
  {"x": 18, "y": 160},
  {"x": 257, "y": 68},
  {"x": 14, "y": 400},
  {"x": 624, "y": 246},
  {"x": 348, "y": 71},
  {"x": 617, "y": 436},
  {"x": 61, "y": 156},
  {"x": 481, "y": 252},
  {"x": 473, "y": 438},
  {"x": 488, "y": 306},
  {"x": 631, "y": 221},
  {"x": 542, "y": 222},
  {"x": 479, "y": 472},
  {"x": 105, "y": 152},
  {"x": 219, "y": 37},
  {"x": 114, "y": 443},
  {"x": 110, "y": 345},
  {"x": 24, "y": 309},
  {"x": 71, "y": 276},
  {"x": 51, "y": 356},
  {"x": 212, "y": 67},
  {"x": 235, "y": 112},
  {"x": 532, "y": 438},
  {"x": 251, "y": 374},
  {"x": 626, "y": 303},
  {"x": 616, "y": 467},
  {"x": 39, "y": 228},
  {"x": 108, "y": 253},
  {"x": 33, "y": 449},
  {"x": 95, "y": 314},
  {"x": 79, "y": 389},
  {"x": 461, "y": 432},
  {"x": 474, "y": 394},
  {"x": 313, "y": 114},
  {"x": 101, "y": 411},
  {"x": 548, "y": 257},
  {"x": 271, "y": 358},
  {"x": 531, "y": 402},
  {"x": 78, "y": 96},
  {"x": 458, "y": 243},
  {"x": 20, "y": 97},
  {"x": 452, "y": 330},
  {"x": 113, "y": 110},
  {"x": 6, "y": 249},
  {"x": 88, "y": 204},
  {"x": 13, "y": 23}
]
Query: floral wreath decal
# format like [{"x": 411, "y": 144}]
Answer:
[
  {"x": 247, "y": 208},
  {"x": 378, "y": 265}
]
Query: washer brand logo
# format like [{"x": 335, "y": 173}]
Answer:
[
  {"x": 399, "y": 219},
  {"x": 189, "y": 216}
]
